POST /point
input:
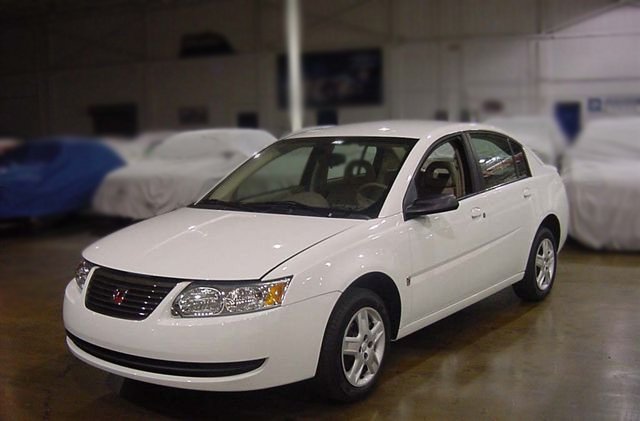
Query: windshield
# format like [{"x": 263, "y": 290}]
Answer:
[{"x": 330, "y": 177}]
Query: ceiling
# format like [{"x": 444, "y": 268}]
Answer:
[{"x": 46, "y": 8}]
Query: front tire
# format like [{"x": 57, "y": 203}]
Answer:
[
  {"x": 541, "y": 268},
  {"x": 354, "y": 346}
]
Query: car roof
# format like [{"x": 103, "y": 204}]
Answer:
[
  {"x": 414, "y": 129},
  {"x": 220, "y": 133}
]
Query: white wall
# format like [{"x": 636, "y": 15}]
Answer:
[
  {"x": 595, "y": 58},
  {"x": 439, "y": 54}
]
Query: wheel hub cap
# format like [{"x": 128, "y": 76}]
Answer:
[
  {"x": 363, "y": 347},
  {"x": 545, "y": 264}
]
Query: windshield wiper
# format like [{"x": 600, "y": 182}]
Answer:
[
  {"x": 344, "y": 213},
  {"x": 289, "y": 206},
  {"x": 281, "y": 206},
  {"x": 221, "y": 204}
]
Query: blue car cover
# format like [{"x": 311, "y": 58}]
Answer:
[{"x": 52, "y": 176}]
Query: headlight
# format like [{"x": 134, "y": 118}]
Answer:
[
  {"x": 82, "y": 273},
  {"x": 206, "y": 299}
]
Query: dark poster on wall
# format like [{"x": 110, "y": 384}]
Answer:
[{"x": 334, "y": 79}]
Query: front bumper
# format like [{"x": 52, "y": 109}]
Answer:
[{"x": 283, "y": 344}]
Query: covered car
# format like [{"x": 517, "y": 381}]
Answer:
[
  {"x": 176, "y": 172},
  {"x": 139, "y": 147},
  {"x": 540, "y": 133},
  {"x": 601, "y": 173},
  {"x": 52, "y": 176}
]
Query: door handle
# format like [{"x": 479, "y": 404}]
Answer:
[
  {"x": 476, "y": 213},
  {"x": 526, "y": 193}
]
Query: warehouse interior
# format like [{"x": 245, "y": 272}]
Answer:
[
  {"x": 63, "y": 57},
  {"x": 133, "y": 75}
]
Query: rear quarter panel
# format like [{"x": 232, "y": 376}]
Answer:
[{"x": 550, "y": 196}]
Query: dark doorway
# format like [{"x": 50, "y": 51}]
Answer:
[
  {"x": 248, "y": 120},
  {"x": 203, "y": 44},
  {"x": 441, "y": 115},
  {"x": 327, "y": 117},
  {"x": 115, "y": 119}
]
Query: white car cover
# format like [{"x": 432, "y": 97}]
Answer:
[
  {"x": 539, "y": 133},
  {"x": 176, "y": 172},
  {"x": 602, "y": 176},
  {"x": 131, "y": 150}
]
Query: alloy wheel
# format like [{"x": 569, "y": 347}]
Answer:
[
  {"x": 545, "y": 264},
  {"x": 363, "y": 346}
]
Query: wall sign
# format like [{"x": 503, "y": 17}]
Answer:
[{"x": 614, "y": 105}]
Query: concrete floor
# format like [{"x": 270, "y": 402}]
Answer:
[{"x": 574, "y": 356}]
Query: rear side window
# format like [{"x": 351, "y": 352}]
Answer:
[
  {"x": 495, "y": 159},
  {"x": 522, "y": 167}
]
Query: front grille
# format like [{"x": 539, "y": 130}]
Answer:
[
  {"x": 174, "y": 368},
  {"x": 126, "y": 295}
]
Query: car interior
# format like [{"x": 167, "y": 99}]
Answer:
[
  {"x": 349, "y": 177},
  {"x": 442, "y": 173}
]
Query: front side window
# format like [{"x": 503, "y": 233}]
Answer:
[
  {"x": 444, "y": 171},
  {"x": 495, "y": 159},
  {"x": 331, "y": 177}
]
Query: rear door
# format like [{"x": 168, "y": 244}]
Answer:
[{"x": 507, "y": 203}]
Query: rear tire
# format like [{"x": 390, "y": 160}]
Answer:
[
  {"x": 355, "y": 343},
  {"x": 541, "y": 268}
]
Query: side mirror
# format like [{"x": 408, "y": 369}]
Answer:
[{"x": 430, "y": 205}]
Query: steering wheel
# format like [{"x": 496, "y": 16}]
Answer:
[{"x": 369, "y": 193}]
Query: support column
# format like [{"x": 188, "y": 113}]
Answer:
[{"x": 295, "y": 66}]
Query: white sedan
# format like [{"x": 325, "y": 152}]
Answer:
[{"x": 313, "y": 255}]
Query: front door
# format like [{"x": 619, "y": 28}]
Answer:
[{"x": 447, "y": 248}]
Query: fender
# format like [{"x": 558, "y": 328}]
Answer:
[{"x": 379, "y": 245}]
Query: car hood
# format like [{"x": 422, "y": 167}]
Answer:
[{"x": 211, "y": 244}]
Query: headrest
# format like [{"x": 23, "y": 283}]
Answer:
[
  {"x": 437, "y": 176},
  {"x": 356, "y": 168}
]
